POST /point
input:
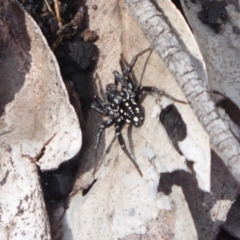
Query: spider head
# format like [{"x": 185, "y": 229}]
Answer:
[{"x": 114, "y": 96}]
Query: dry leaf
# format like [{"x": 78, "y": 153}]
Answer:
[
  {"x": 221, "y": 54},
  {"x": 181, "y": 64},
  {"x": 220, "y": 51},
  {"x": 120, "y": 203},
  {"x": 38, "y": 125},
  {"x": 164, "y": 36}
]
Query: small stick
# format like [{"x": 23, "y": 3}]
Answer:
[
  {"x": 56, "y": 7},
  {"x": 48, "y": 7}
]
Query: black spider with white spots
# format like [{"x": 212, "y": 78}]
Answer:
[{"x": 123, "y": 106}]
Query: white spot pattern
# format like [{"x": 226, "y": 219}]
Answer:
[{"x": 135, "y": 119}]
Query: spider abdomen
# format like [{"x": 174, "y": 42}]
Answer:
[{"x": 131, "y": 112}]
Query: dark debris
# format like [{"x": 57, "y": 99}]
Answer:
[
  {"x": 58, "y": 184},
  {"x": 214, "y": 14},
  {"x": 173, "y": 123}
]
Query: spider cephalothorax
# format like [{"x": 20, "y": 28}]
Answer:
[{"x": 123, "y": 105}]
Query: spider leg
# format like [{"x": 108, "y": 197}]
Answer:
[
  {"x": 131, "y": 65},
  {"x": 127, "y": 69},
  {"x": 99, "y": 109},
  {"x": 99, "y": 101},
  {"x": 153, "y": 89},
  {"x": 101, "y": 106},
  {"x": 106, "y": 124},
  {"x": 119, "y": 78},
  {"x": 118, "y": 128},
  {"x": 125, "y": 80}
]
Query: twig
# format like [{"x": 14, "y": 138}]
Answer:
[
  {"x": 48, "y": 7},
  {"x": 56, "y": 7}
]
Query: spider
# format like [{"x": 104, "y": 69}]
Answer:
[{"x": 124, "y": 106}]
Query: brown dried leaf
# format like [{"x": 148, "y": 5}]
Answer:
[{"x": 121, "y": 204}]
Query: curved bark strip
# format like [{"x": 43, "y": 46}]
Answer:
[{"x": 167, "y": 44}]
